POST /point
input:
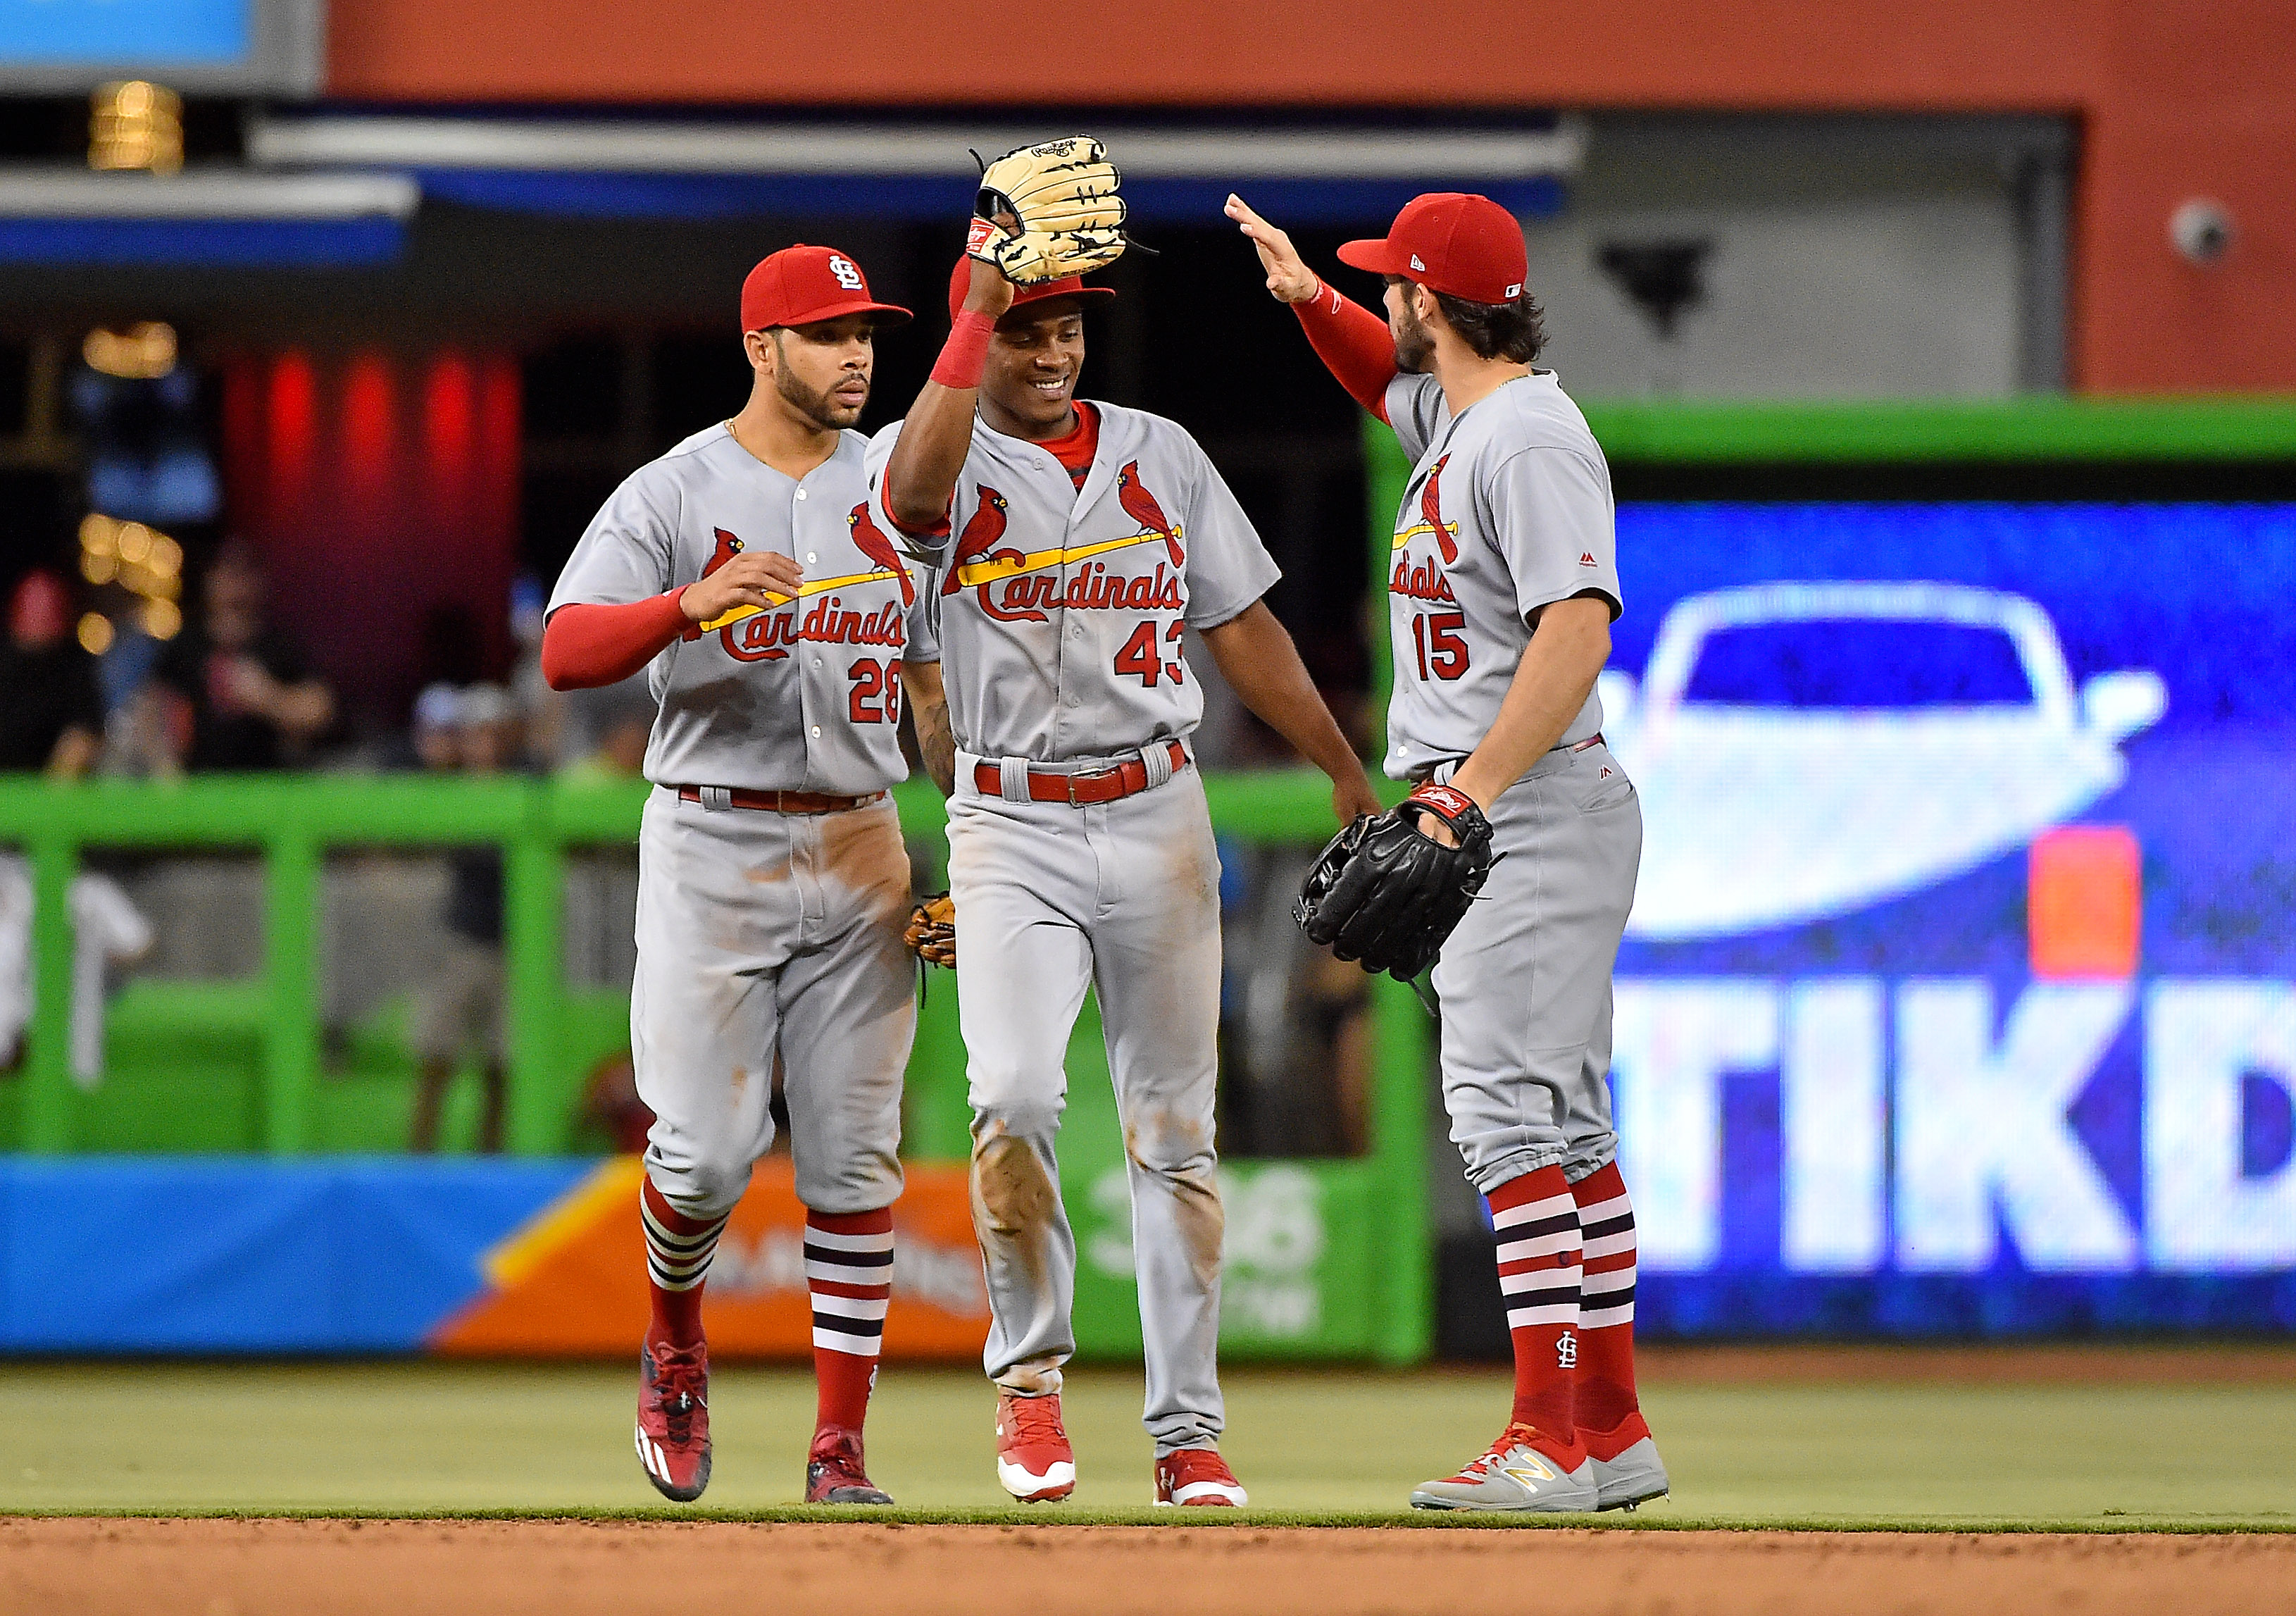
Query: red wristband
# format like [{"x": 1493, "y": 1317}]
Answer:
[{"x": 965, "y": 355}]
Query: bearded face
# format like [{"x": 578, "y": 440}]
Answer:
[
  {"x": 831, "y": 404},
  {"x": 1415, "y": 344}
]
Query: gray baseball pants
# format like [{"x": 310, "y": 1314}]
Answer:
[
  {"x": 1123, "y": 897},
  {"x": 1525, "y": 980},
  {"x": 767, "y": 936}
]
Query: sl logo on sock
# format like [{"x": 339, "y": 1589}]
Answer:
[{"x": 1566, "y": 1351}]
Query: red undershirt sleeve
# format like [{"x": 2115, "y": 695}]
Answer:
[
  {"x": 1353, "y": 343},
  {"x": 586, "y": 647}
]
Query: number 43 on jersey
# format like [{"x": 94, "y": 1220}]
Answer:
[{"x": 1142, "y": 656}]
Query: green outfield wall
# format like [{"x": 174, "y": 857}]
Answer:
[{"x": 1329, "y": 1256}]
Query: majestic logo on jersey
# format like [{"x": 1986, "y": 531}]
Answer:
[
  {"x": 847, "y": 275},
  {"x": 978, "y": 538},
  {"x": 1014, "y": 587},
  {"x": 756, "y": 634},
  {"x": 870, "y": 539}
]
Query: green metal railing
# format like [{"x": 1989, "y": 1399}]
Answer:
[{"x": 292, "y": 823}]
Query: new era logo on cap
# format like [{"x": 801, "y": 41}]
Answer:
[{"x": 1415, "y": 264}]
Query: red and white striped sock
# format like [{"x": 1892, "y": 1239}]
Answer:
[
  {"x": 849, "y": 1267},
  {"x": 1537, "y": 1224},
  {"x": 1610, "y": 1415},
  {"x": 679, "y": 1250}
]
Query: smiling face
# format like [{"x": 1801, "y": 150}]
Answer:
[
  {"x": 821, "y": 372},
  {"x": 1029, "y": 389}
]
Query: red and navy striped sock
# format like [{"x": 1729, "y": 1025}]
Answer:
[
  {"x": 679, "y": 1250},
  {"x": 1609, "y": 1414},
  {"x": 849, "y": 1267},
  {"x": 1536, "y": 1222}
]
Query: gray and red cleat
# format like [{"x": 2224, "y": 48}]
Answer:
[
  {"x": 1197, "y": 1476},
  {"x": 674, "y": 1417},
  {"x": 1034, "y": 1460},
  {"x": 834, "y": 1472}
]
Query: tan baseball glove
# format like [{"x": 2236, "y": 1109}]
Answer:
[
  {"x": 1049, "y": 210},
  {"x": 931, "y": 933}
]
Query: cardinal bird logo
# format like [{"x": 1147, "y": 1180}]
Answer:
[
  {"x": 980, "y": 535},
  {"x": 870, "y": 539},
  {"x": 1430, "y": 510},
  {"x": 1141, "y": 506},
  {"x": 728, "y": 547}
]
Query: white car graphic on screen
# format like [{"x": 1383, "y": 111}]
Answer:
[{"x": 1796, "y": 806}]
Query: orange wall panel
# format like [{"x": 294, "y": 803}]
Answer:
[{"x": 2176, "y": 99}]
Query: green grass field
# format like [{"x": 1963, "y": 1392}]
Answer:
[{"x": 404, "y": 1437}]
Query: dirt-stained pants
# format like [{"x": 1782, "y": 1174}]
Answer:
[
  {"x": 1124, "y": 897},
  {"x": 763, "y": 934}
]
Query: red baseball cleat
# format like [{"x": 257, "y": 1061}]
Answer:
[
  {"x": 834, "y": 1472},
  {"x": 1034, "y": 1460},
  {"x": 1197, "y": 1476},
  {"x": 674, "y": 1418}
]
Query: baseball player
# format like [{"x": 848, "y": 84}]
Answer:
[
  {"x": 742, "y": 569},
  {"x": 1074, "y": 542},
  {"x": 1501, "y": 593}
]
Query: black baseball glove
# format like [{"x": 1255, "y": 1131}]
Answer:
[{"x": 1386, "y": 894}]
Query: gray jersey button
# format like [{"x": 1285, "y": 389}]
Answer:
[{"x": 800, "y": 493}]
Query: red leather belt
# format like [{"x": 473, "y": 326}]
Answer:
[
  {"x": 1126, "y": 779},
  {"x": 786, "y": 802}
]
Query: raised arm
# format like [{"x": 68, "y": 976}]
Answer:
[
  {"x": 1261, "y": 665},
  {"x": 920, "y": 477},
  {"x": 1354, "y": 343}
]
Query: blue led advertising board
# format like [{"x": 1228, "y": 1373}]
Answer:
[{"x": 1960, "y": 991}]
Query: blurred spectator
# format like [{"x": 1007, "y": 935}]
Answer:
[
  {"x": 255, "y": 703},
  {"x": 460, "y": 1011},
  {"x": 541, "y": 710},
  {"x": 51, "y": 713},
  {"x": 614, "y": 724}
]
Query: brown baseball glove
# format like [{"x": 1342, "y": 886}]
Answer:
[{"x": 931, "y": 935}]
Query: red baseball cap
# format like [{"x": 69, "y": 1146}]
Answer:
[
  {"x": 1450, "y": 241},
  {"x": 800, "y": 285},
  {"x": 960, "y": 282}
]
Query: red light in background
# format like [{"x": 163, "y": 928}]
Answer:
[
  {"x": 291, "y": 427},
  {"x": 368, "y": 429},
  {"x": 449, "y": 415}
]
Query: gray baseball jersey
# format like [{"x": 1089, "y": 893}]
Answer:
[
  {"x": 1060, "y": 609},
  {"x": 1508, "y": 509},
  {"x": 802, "y": 696}
]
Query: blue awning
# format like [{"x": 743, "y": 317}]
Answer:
[
  {"x": 622, "y": 168},
  {"x": 900, "y": 196},
  {"x": 229, "y": 218}
]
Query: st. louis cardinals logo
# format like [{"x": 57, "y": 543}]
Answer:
[
  {"x": 1431, "y": 516},
  {"x": 978, "y": 540},
  {"x": 1014, "y": 588},
  {"x": 870, "y": 539},
  {"x": 847, "y": 274},
  {"x": 763, "y": 633},
  {"x": 1426, "y": 580}
]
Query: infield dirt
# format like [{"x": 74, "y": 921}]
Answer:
[{"x": 336, "y": 1568}]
